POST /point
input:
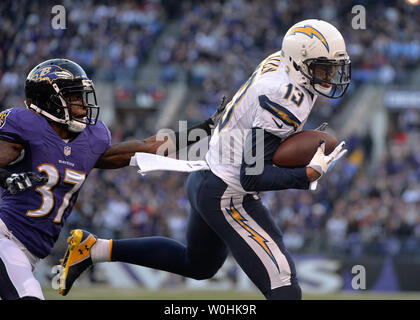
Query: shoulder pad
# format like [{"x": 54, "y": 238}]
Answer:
[
  {"x": 21, "y": 124},
  {"x": 99, "y": 137}
]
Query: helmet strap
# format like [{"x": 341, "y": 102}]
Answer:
[
  {"x": 46, "y": 114},
  {"x": 72, "y": 125},
  {"x": 63, "y": 103}
]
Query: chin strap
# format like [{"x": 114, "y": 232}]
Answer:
[
  {"x": 46, "y": 114},
  {"x": 322, "y": 89},
  {"x": 63, "y": 103},
  {"x": 76, "y": 126},
  {"x": 73, "y": 126}
]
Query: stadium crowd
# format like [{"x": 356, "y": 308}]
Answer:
[
  {"x": 221, "y": 42},
  {"x": 356, "y": 210},
  {"x": 109, "y": 39}
]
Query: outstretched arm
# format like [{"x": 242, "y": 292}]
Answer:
[{"x": 119, "y": 155}]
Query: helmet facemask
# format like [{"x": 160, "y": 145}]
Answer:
[
  {"x": 328, "y": 77},
  {"x": 82, "y": 97}
]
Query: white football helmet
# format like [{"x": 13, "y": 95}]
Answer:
[{"x": 315, "y": 57}]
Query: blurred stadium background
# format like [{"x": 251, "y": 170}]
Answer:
[{"x": 157, "y": 62}]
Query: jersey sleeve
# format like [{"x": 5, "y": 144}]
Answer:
[
  {"x": 13, "y": 125},
  {"x": 276, "y": 115},
  {"x": 257, "y": 170}
]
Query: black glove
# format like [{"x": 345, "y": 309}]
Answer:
[
  {"x": 215, "y": 118},
  {"x": 18, "y": 182}
]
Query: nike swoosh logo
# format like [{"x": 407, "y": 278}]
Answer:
[{"x": 278, "y": 125}]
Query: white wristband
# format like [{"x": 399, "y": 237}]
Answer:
[{"x": 313, "y": 185}]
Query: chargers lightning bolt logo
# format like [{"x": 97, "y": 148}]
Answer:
[
  {"x": 254, "y": 235},
  {"x": 310, "y": 32}
]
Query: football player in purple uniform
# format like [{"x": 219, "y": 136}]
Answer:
[{"x": 46, "y": 153}]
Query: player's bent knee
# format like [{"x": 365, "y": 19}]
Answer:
[
  {"x": 204, "y": 274},
  {"x": 203, "y": 271},
  {"x": 292, "y": 292},
  {"x": 202, "y": 268}
]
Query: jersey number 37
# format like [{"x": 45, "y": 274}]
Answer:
[{"x": 72, "y": 177}]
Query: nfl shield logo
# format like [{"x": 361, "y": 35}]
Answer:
[{"x": 67, "y": 150}]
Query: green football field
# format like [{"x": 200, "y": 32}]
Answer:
[{"x": 107, "y": 293}]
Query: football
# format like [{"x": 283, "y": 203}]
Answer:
[{"x": 298, "y": 149}]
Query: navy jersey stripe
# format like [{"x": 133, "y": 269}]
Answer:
[{"x": 279, "y": 112}]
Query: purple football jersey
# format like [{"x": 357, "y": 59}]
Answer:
[{"x": 37, "y": 215}]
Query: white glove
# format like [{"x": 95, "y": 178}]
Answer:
[{"x": 322, "y": 162}]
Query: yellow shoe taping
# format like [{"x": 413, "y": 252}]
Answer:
[
  {"x": 75, "y": 238},
  {"x": 110, "y": 250},
  {"x": 78, "y": 251}
]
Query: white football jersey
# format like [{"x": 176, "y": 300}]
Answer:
[{"x": 269, "y": 100}]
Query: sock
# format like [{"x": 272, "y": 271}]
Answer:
[{"x": 101, "y": 251}]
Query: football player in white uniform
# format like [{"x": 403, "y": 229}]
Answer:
[{"x": 226, "y": 210}]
